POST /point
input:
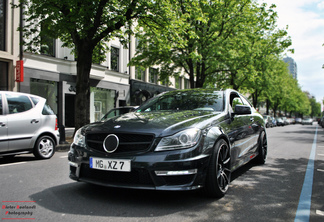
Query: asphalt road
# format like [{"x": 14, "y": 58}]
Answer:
[{"x": 271, "y": 192}]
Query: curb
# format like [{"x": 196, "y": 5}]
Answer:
[{"x": 63, "y": 147}]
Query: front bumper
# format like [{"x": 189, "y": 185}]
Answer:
[{"x": 168, "y": 170}]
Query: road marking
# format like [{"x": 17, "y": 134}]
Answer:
[
  {"x": 10, "y": 164},
  {"x": 63, "y": 157},
  {"x": 305, "y": 199},
  {"x": 320, "y": 170},
  {"x": 319, "y": 212},
  {"x": 320, "y": 154}
]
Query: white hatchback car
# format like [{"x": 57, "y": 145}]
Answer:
[{"x": 27, "y": 125}]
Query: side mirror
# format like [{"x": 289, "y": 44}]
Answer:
[{"x": 242, "y": 110}]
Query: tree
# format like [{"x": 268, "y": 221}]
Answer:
[
  {"x": 85, "y": 26},
  {"x": 315, "y": 107},
  {"x": 212, "y": 41}
]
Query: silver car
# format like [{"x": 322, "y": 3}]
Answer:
[{"x": 27, "y": 125}]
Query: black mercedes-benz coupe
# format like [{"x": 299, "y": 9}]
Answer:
[{"x": 178, "y": 140}]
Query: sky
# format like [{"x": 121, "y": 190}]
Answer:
[{"x": 305, "y": 20}]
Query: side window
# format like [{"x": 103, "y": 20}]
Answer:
[
  {"x": 47, "y": 110},
  {"x": 18, "y": 103},
  {"x": 35, "y": 100}
]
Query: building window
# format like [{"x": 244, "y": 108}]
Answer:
[
  {"x": 178, "y": 82},
  {"x": 186, "y": 84},
  {"x": 3, "y": 9},
  {"x": 3, "y": 76},
  {"x": 153, "y": 75},
  {"x": 114, "y": 59},
  {"x": 47, "y": 45},
  {"x": 140, "y": 73}
]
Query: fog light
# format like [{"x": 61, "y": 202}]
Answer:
[{"x": 176, "y": 173}]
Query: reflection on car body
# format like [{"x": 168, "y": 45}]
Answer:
[
  {"x": 179, "y": 140},
  {"x": 118, "y": 111}
]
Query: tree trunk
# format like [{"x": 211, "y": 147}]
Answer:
[{"x": 82, "y": 100}]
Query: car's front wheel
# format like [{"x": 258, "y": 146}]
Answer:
[
  {"x": 44, "y": 147},
  {"x": 219, "y": 172}
]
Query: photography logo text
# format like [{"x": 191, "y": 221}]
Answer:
[{"x": 18, "y": 210}]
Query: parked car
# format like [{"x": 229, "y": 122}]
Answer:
[
  {"x": 280, "y": 121},
  {"x": 118, "y": 111},
  {"x": 267, "y": 121},
  {"x": 321, "y": 122},
  {"x": 27, "y": 125},
  {"x": 178, "y": 140},
  {"x": 307, "y": 121},
  {"x": 286, "y": 120},
  {"x": 298, "y": 120},
  {"x": 274, "y": 121}
]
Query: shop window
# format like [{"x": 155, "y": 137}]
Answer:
[
  {"x": 114, "y": 59},
  {"x": 3, "y": 10},
  {"x": 101, "y": 101},
  {"x": 45, "y": 89}
]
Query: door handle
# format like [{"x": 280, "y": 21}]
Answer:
[
  {"x": 34, "y": 121},
  {"x": 2, "y": 124}
]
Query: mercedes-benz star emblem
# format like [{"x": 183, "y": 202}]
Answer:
[{"x": 111, "y": 143}]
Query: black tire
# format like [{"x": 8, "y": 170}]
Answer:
[
  {"x": 44, "y": 147},
  {"x": 262, "y": 149},
  {"x": 219, "y": 171}
]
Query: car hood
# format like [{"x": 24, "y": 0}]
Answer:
[{"x": 158, "y": 123}]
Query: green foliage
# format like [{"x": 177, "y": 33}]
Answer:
[
  {"x": 85, "y": 26},
  {"x": 212, "y": 41}
]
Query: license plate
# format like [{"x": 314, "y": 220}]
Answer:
[{"x": 110, "y": 164}]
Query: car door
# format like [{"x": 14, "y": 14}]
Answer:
[
  {"x": 238, "y": 132},
  {"x": 23, "y": 121},
  {"x": 3, "y": 127},
  {"x": 254, "y": 127}
]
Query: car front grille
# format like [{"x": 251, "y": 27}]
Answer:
[{"x": 127, "y": 142}]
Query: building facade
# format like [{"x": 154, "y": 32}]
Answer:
[
  {"x": 52, "y": 74},
  {"x": 9, "y": 45},
  {"x": 292, "y": 66}
]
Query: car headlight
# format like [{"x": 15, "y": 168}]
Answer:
[
  {"x": 184, "y": 139},
  {"x": 79, "y": 138}
]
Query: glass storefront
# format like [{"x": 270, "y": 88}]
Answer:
[
  {"x": 101, "y": 101},
  {"x": 45, "y": 89}
]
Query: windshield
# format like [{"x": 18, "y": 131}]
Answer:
[{"x": 206, "y": 100}]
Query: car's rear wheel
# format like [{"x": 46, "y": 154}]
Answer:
[
  {"x": 44, "y": 147},
  {"x": 262, "y": 149},
  {"x": 219, "y": 172}
]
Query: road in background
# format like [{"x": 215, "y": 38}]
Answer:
[{"x": 269, "y": 192}]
